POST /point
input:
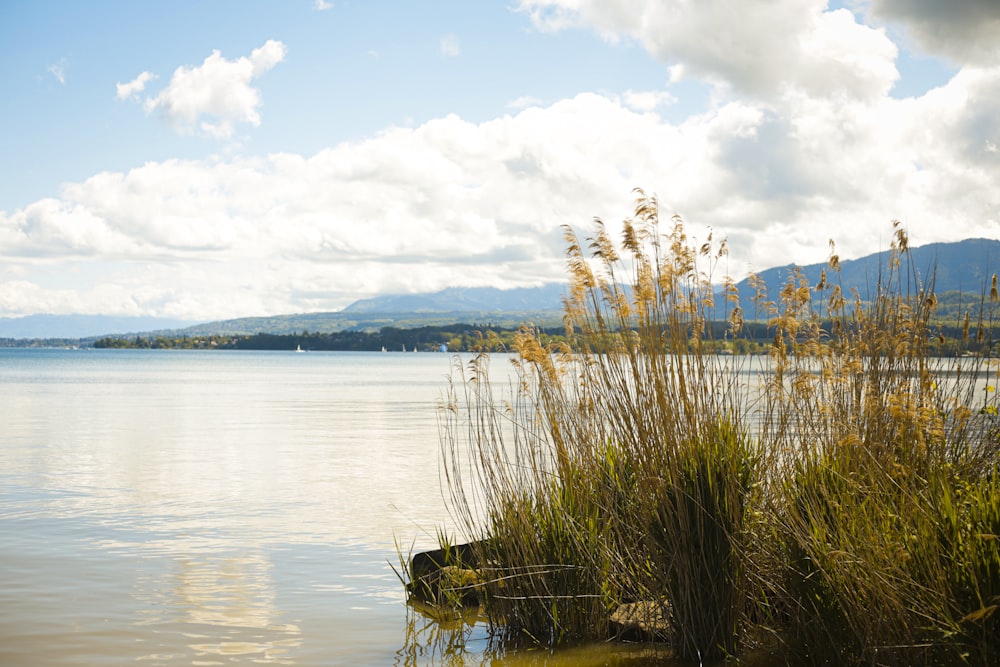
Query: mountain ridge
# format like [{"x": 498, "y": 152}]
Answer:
[
  {"x": 451, "y": 299},
  {"x": 960, "y": 266},
  {"x": 965, "y": 266}
]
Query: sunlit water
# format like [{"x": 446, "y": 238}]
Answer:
[
  {"x": 213, "y": 508},
  {"x": 204, "y": 508}
]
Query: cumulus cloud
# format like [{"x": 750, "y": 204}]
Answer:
[
  {"x": 25, "y": 297},
  {"x": 815, "y": 148},
  {"x": 838, "y": 55},
  {"x": 965, "y": 32},
  {"x": 762, "y": 49},
  {"x": 425, "y": 207},
  {"x": 132, "y": 89},
  {"x": 709, "y": 38},
  {"x": 213, "y": 97},
  {"x": 452, "y": 202}
]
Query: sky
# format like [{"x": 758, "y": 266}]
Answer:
[{"x": 211, "y": 160}]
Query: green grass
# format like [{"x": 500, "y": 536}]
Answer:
[{"x": 846, "y": 508}]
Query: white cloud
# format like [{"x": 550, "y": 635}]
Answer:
[
  {"x": 425, "y": 207},
  {"x": 712, "y": 40},
  {"x": 762, "y": 49},
  {"x": 322, "y": 5},
  {"x": 218, "y": 94},
  {"x": 133, "y": 87},
  {"x": 451, "y": 202},
  {"x": 840, "y": 56},
  {"x": 58, "y": 70},
  {"x": 23, "y": 297},
  {"x": 449, "y": 46}
]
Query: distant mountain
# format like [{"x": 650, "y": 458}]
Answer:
[
  {"x": 470, "y": 305},
  {"x": 483, "y": 299},
  {"x": 371, "y": 322},
  {"x": 964, "y": 266},
  {"x": 82, "y": 326}
]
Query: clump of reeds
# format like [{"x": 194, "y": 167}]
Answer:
[
  {"x": 879, "y": 439},
  {"x": 620, "y": 470},
  {"x": 848, "y": 503},
  {"x": 534, "y": 517}
]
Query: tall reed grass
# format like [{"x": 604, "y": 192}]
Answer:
[
  {"x": 889, "y": 476},
  {"x": 847, "y": 506}
]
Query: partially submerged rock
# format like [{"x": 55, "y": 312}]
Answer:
[
  {"x": 446, "y": 576},
  {"x": 446, "y": 580},
  {"x": 646, "y": 621}
]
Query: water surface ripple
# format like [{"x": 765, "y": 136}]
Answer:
[{"x": 198, "y": 508}]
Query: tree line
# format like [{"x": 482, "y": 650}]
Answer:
[
  {"x": 756, "y": 338},
  {"x": 434, "y": 338}
]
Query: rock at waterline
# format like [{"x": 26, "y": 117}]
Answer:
[
  {"x": 446, "y": 576},
  {"x": 645, "y": 621}
]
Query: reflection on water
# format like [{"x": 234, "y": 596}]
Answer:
[
  {"x": 434, "y": 639},
  {"x": 212, "y": 508},
  {"x": 205, "y": 593},
  {"x": 461, "y": 641},
  {"x": 206, "y": 508},
  {"x": 273, "y": 443}
]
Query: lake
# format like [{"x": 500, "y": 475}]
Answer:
[
  {"x": 219, "y": 508},
  {"x": 199, "y": 508}
]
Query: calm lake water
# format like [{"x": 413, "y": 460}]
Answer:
[
  {"x": 206, "y": 508},
  {"x": 215, "y": 508},
  {"x": 219, "y": 508}
]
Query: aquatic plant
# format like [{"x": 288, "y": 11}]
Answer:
[
  {"x": 846, "y": 506},
  {"x": 881, "y": 440},
  {"x": 618, "y": 468}
]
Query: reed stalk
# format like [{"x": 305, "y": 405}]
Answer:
[{"x": 847, "y": 505}]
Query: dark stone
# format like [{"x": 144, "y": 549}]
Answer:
[
  {"x": 446, "y": 575},
  {"x": 645, "y": 621},
  {"x": 459, "y": 555}
]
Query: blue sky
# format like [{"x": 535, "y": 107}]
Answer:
[{"x": 222, "y": 159}]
